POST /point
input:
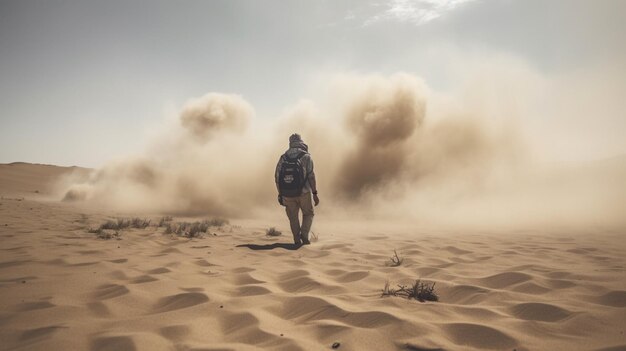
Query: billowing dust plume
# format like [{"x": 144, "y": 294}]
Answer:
[{"x": 383, "y": 147}]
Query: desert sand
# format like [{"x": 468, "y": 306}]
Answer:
[{"x": 62, "y": 288}]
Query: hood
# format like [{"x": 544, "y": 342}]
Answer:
[{"x": 295, "y": 148}]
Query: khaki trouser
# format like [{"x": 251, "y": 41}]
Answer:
[{"x": 293, "y": 205}]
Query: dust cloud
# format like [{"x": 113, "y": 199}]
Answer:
[
  {"x": 384, "y": 147},
  {"x": 381, "y": 120}
]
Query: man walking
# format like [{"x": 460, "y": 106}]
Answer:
[{"x": 295, "y": 182}]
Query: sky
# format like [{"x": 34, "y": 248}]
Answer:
[{"x": 86, "y": 81}]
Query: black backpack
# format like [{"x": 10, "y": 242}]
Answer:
[{"x": 291, "y": 177}]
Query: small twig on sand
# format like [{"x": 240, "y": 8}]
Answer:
[{"x": 395, "y": 260}]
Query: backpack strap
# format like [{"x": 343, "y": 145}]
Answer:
[
  {"x": 306, "y": 174},
  {"x": 299, "y": 156}
]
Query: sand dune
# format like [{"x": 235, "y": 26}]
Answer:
[
  {"x": 62, "y": 288},
  {"x": 19, "y": 178}
]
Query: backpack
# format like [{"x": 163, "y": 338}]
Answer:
[{"x": 291, "y": 178}]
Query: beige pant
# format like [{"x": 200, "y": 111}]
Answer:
[{"x": 293, "y": 205}]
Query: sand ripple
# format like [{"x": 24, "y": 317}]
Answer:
[
  {"x": 178, "y": 301},
  {"x": 63, "y": 289},
  {"x": 539, "y": 312}
]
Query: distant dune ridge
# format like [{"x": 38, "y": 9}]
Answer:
[
  {"x": 22, "y": 177},
  {"x": 63, "y": 288}
]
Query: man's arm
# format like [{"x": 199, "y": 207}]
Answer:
[
  {"x": 313, "y": 182},
  {"x": 276, "y": 175}
]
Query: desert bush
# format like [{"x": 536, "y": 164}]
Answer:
[
  {"x": 105, "y": 234},
  {"x": 164, "y": 220},
  {"x": 273, "y": 232},
  {"x": 123, "y": 223},
  {"x": 139, "y": 223},
  {"x": 186, "y": 229},
  {"x": 120, "y": 224},
  {"x": 109, "y": 235},
  {"x": 193, "y": 229},
  {"x": 418, "y": 291},
  {"x": 170, "y": 228},
  {"x": 395, "y": 260}
]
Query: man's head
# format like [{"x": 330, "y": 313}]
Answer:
[{"x": 295, "y": 140}]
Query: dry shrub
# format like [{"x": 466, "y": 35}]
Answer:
[
  {"x": 124, "y": 223},
  {"x": 418, "y": 291},
  {"x": 139, "y": 223},
  {"x": 164, "y": 220},
  {"x": 106, "y": 234},
  {"x": 193, "y": 229},
  {"x": 273, "y": 232},
  {"x": 111, "y": 228}
]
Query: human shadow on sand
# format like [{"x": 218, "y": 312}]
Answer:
[{"x": 271, "y": 246}]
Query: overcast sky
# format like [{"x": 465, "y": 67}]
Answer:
[{"x": 81, "y": 81}]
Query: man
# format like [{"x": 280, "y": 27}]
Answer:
[{"x": 295, "y": 182}]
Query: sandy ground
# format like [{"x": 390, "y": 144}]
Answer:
[{"x": 61, "y": 288}]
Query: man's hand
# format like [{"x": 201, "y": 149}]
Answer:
[
  {"x": 280, "y": 200},
  {"x": 316, "y": 199}
]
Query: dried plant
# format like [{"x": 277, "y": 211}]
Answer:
[
  {"x": 120, "y": 223},
  {"x": 273, "y": 232},
  {"x": 110, "y": 229},
  {"x": 395, "y": 260},
  {"x": 109, "y": 235},
  {"x": 314, "y": 237},
  {"x": 164, "y": 220},
  {"x": 418, "y": 291},
  {"x": 123, "y": 223},
  {"x": 169, "y": 228},
  {"x": 193, "y": 229},
  {"x": 106, "y": 234},
  {"x": 139, "y": 223}
]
